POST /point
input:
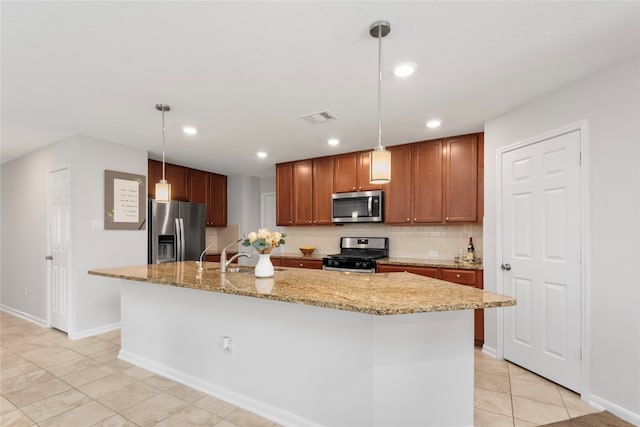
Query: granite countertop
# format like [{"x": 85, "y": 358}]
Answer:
[{"x": 378, "y": 294}]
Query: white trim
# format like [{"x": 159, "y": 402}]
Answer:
[
  {"x": 490, "y": 351},
  {"x": 618, "y": 411},
  {"x": 583, "y": 127},
  {"x": 93, "y": 331},
  {"x": 25, "y": 316},
  {"x": 243, "y": 401}
]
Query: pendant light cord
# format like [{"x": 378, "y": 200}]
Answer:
[
  {"x": 163, "y": 144},
  {"x": 380, "y": 86}
]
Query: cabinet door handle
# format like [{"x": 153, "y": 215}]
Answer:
[
  {"x": 446, "y": 219},
  {"x": 408, "y": 220},
  {"x": 415, "y": 219},
  {"x": 458, "y": 276},
  {"x": 301, "y": 264}
]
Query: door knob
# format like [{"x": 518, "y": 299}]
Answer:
[
  {"x": 506, "y": 267},
  {"x": 49, "y": 257}
]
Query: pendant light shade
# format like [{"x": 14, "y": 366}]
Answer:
[
  {"x": 379, "y": 166},
  {"x": 163, "y": 191},
  {"x": 163, "y": 188},
  {"x": 379, "y": 158}
]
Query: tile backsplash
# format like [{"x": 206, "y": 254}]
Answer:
[{"x": 435, "y": 242}]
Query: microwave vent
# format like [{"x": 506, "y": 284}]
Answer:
[{"x": 319, "y": 117}]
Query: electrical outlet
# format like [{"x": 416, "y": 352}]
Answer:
[
  {"x": 433, "y": 254},
  {"x": 25, "y": 292}
]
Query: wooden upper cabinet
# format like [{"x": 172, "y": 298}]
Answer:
[
  {"x": 480, "y": 215},
  {"x": 284, "y": 194},
  {"x": 461, "y": 179},
  {"x": 427, "y": 205},
  {"x": 363, "y": 173},
  {"x": 154, "y": 175},
  {"x": 397, "y": 193},
  {"x": 198, "y": 186},
  {"x": 178, "y": 177},
  {"x": 351, "y": 173},
  {"x": 217, "y": 200},
  {"x": 195, "y": 186},
  {"x": 322, "y": 190},
  {"x": 302, "y": 192},
  {"x": 345, "y": 167}
]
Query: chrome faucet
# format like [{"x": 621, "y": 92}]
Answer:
[
  {"x": 224, "y": 263},
  {"x": 202, "y": 255}
]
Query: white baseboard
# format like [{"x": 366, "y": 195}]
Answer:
[
  {"x": 616, "y": 410},
  {"x": 95, "y": 331},
  {"x": 25, "y": 316},
  {"x": 490, "y": 351},
  {"x": 260, "y": 408}
]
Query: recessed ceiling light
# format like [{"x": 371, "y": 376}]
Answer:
[
  {"x": 333, "y": 141},
  {"x": 261, "y": 154},
  {"x": 189, "y": 130},
  {"x": 405, "y": 69},
  {"x": 433, "y": 123}
]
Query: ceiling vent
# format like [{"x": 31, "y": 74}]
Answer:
[{"x": 319, "y": 117}]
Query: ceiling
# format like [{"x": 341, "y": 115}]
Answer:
[{"x": 244, "y": 73}]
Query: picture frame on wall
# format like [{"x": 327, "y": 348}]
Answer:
[{"x": 125, "y": 201}]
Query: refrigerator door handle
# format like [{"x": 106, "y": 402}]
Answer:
[
  {"x": 182, "y": 241},
  {"x": 178, "y": 240}
]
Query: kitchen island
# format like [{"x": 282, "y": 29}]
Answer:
[{"x": 308, "y": 347}]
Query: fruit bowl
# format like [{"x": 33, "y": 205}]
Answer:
[{"x": 307, "y": 250}]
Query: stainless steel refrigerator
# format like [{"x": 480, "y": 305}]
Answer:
[{"x": 176, "y": 231}]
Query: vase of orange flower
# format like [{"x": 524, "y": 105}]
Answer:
[{"x": 263, "y": 242}]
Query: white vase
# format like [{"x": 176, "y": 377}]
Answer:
[{"x": 264, "y": 268}]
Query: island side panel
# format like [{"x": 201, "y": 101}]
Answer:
[
  {"x": 292, "y": 363},
  {"x": 303, "y": 365},
  {"x": 423, "y": 369}
]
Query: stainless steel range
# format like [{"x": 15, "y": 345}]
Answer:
[{"x": 357, "y": 254}]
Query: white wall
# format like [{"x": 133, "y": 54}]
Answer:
[
  {"x": 610, "y": 101},
  {"x": 96, "y": 303},
  {"x": 243, "y": 204}
]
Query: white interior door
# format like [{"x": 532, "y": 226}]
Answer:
[
  {"x": 541, "y": 243},
  {"x": 59, "y": 197}
]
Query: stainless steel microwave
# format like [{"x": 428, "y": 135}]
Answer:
[{"x": 362, "y": 206}]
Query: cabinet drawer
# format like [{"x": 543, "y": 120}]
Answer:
[
  {"x": 302, "y": 263},
  {"x": 422, "y": 271},
  {"x": 462, "y": 277}
]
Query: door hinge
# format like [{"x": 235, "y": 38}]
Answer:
[
  {"x": 580, "y": 355},
  {"x": 580, "y": 158}
]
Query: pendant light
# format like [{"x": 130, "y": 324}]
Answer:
[
  {"x": 163, "y": 188},
  {"x": 379, "y": 158}
]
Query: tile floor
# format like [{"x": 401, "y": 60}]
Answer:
[{"x": 49, "y": 380}]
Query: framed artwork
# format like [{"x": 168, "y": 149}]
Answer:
[{"x": 124, "y": 201}]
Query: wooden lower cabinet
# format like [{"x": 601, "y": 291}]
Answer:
[
  {"x": 302, "y": 263},
  {"x": 472, "y": 278},
  {"x": 422, "y": 271}
]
